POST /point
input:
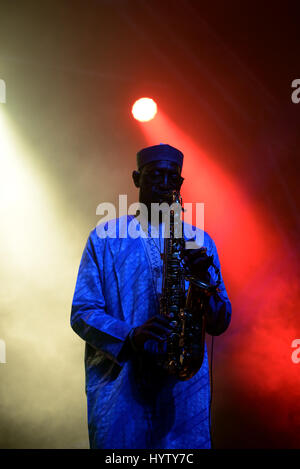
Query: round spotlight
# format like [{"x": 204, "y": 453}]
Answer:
[{"x": 144, "y": 109}]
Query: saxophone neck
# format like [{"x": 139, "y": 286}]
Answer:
[{"x": 175, "y": 197}]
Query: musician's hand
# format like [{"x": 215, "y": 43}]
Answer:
[
  {"x": 155, "y": 349},
  {"x": 154, "y": 330},
  {"x": 197, "y": 262}
]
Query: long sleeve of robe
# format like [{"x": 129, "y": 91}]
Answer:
[{"x": 115, "y": 292}]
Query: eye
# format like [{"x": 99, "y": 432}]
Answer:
[
  {"x": 154, "y": 175},
  {"x": 175, "y": 178}
]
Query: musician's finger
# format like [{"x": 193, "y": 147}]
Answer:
[
  {"x": 193, "y": 253},
  {"x": 154, "y": 336},
  {"x": 160, "y": 329},
  {"x": 206, "y": 262},
  {"x": 160, "y": 320}
]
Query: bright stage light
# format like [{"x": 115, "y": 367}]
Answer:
[
  {"x": 28, "y": 199},
  {"x": 2, "y": 92},
  {"x": 144, "y": 109}
]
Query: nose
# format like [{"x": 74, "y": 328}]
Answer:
[
  {"x": 165, "y": 179},
  {"x": 164, "y": 183}
]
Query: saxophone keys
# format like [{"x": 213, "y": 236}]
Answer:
[
  {"x": 174, "y": 323},
  {"x": 172, "y": 366}
]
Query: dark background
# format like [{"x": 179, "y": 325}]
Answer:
[{"x": 222, "y": 72}]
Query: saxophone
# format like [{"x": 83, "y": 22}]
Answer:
[{"x": 185, "y": 346}]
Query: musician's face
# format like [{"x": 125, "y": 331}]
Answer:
[{"x": 156, "y": 180}]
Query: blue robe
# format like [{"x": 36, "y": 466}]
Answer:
[{"x": 128, "y": 407}]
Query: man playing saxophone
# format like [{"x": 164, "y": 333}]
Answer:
[{"x": 133, "y": 402}]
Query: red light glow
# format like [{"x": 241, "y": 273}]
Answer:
[{"x": 260, "y": 283}]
